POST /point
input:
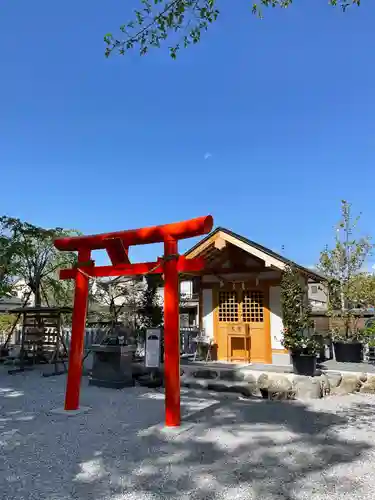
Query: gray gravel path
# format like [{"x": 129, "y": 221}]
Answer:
[{"x": 231, "y": 449}]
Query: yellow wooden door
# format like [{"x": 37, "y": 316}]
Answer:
[
  {"x": 242, "y": 326},
  {"x": 231, "y": 332},
  {"x": 254, "y": 313},
  {"x": 229, "y": 328}
]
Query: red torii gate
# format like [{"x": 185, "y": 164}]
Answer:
[{"x": 117, "y": 245}]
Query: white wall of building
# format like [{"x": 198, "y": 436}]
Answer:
[
  {"x": 276, "y": 317},
  {"x": 160, "y": 295},
  {"x": 186, "y": 287},
  {"x": 208, "y": 313},
  {"x": 318, "y": 295},
  {"x": 22, "y": 291}
]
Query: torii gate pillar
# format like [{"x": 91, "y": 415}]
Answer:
[
  {"x": 117, "y": 245},
  {"x": 171, "y": 340}
]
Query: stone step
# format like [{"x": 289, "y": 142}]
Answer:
[{"x": 245, "y": 380}]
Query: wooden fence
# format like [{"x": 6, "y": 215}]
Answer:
[
  {"x": 97, "y": 335},
  {"x": 92, "y": 336},
  {"x": 323, "y": 324}
]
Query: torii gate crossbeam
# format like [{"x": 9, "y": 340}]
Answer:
[{"x": 171, "y": 264}]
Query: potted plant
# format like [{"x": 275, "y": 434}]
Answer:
[
  {"x": 349, "y": 289},
  {"x": 348, "y": 344},
  {"x": 303, "y": 352},
  {"x": 297, "y": 338},
  {"x": 371, "y": 351}
]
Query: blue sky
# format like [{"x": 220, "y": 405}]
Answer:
[{"x": 284, "y": 106}]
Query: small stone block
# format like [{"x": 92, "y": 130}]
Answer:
[
  {"x": 175, "y": 431},
  {"x": 70, "y": 413},
  {"x": 162, "y": 429}
]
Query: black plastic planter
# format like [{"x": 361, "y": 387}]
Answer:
[
  {"x": 4, "y": 352},
  {"x": 348, "y": 352},
  {"x": 304, "y": 364}
]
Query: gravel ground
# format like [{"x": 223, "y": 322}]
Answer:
[{"x": 230, "y": 449}]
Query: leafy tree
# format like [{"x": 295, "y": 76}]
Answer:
[
  {"x": 369, "y": 334},
  {"x": 150, "y": 309},
  {"x": 157, "y": 20},
  {"x": 342, "y": 267},
  {"x": 133, "y": 303},
  {"x": 35, "y": 262},
  {"x": 6, "y": 322},
  {"x": 7, "y": 265},
  {"x": 362, "y": 290},
  {"x": 7, "y": 326},
  {"x": 119, "y": 296}
]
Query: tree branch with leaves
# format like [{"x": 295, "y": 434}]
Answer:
[{"x": 155, "y": 21}]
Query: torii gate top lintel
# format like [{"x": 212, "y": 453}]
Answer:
[
  {"x": 153, "y": 234},
  {"x": 117, "y": 246}
]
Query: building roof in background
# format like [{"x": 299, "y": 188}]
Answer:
[
  {"x": 311, "y": 274},
  {"x": 317, "y": 273}
]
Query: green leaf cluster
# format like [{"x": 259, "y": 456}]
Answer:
[
  {"x": 6, "y": 322},
  {"x": 30, "y": 258},
  {"x": 369, "y": 335},
  {"x": 157, "y": 20}
]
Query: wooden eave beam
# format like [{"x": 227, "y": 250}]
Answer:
[{"x": 220, "y": 243}]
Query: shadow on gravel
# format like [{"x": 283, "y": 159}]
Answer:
[
  {"x": 246, "y": 449},
  {"x": 250, "y": 449},
  {"x": 360, "y": 415}
]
